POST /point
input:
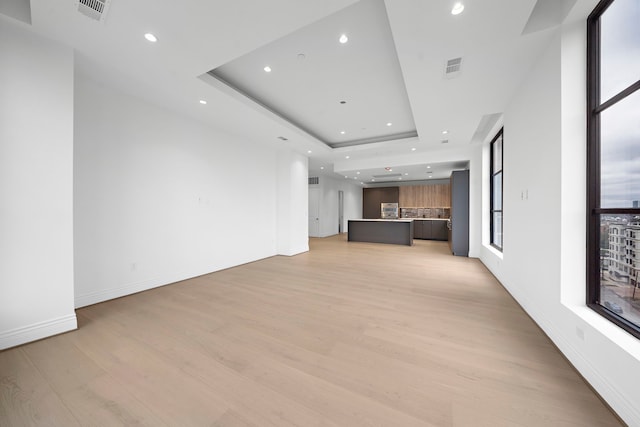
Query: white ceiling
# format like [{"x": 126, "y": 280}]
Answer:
[
  {"x": 312, "y": 73},
  {"x": 196, "y": 36}
]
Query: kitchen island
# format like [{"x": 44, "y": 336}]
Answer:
[{"x": 393, "y": 231}]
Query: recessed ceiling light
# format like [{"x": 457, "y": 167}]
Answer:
[
  {"x": 387, "y": 168},
  {"x": 444, "y": 132},
  {"x": 343, "y": 39},
  {"x": 150, "y": 37},
  {"x": 428, "y": 167},
  {"x": 309, "y": 151},
  {"x": 346, "y": 176},
  {"x": 322, "y": 167},
  {"x": 457, "y": 9},
  {"x": 406, "y": 173},
  {"x": 267, "y": 69},
  {"x": 373, "y": 179},
  {"x": 430, "y": 176},
  {"x": 342, "y": 132},
  {"x": 357, "y": 173},
  {"x": 203, "y": 102},
  {"x": 389, "y": 124},
  {"x": 413, "y": 149},
  {"x": 355, "y": 177},
  {"x": 346, "y": 157},
  {"x": 400, "y": 178}
]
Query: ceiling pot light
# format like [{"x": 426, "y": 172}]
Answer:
[
  {"x": 342, "y": 132},
  {"x": 150, "y": 37},
  {"x": 444, "y": 132},
  {"x": 428, "y": 167},
  {"x": 413, "y": 149},
  {"x": 322, "y": 167},
  {"x": 267, "y": 69},
  {"x": 203, "y": 102},
  {"x": 457, "y": 9},
  {"x": 309, "y": 151},
  {"x": 389, "y": 124},
  {"x": 346, "y": 157},
  {"x": 343, "y": 39}
]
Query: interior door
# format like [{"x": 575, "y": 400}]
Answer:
[
  {"x": 314, "y": 212},
  {"x": 340, "y": 211}
]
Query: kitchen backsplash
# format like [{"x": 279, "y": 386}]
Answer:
[{"x": 425, "y": 212}]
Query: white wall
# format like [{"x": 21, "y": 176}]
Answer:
[
  {"x": 543, "y": 263},
  {"x": 329, "y": 188},
  {"x": 293, "y": 203},
  {"x": 36, "y": 155},
  {"x": 161, "y": 198}
]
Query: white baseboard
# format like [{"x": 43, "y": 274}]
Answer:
[
  {"x": 625, "y": 409},
  {"x": 37, "y": 331},
  {"x": 131, "y": 288},
  {"x": 620, "y": 403}
]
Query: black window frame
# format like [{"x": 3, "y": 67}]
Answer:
[
  {"x": 492, "y": 209},
  {"x": 594, "y": 109}
]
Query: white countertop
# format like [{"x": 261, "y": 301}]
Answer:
[
  {"x": 384, "y": 220},
  {"x": 403, "y": 219}
]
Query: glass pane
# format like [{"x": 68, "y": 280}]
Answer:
[
  {"x": 620, "y": 47},
  {"x": 496, "y": 237},
  {"x": 620, "y": 154},
  {"x": 497, "y": 192},
  {"x": 619, "y": 265},
  {"x": 497, "y": 155}
]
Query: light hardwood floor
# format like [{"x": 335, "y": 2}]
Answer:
[{"x": 349, "y": 334}]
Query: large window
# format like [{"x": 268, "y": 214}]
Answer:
[
  {"x": 496, "y": 191},
  {"x": 613, "y": 246}
]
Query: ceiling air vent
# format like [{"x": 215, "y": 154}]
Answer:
[
  {"x": 94, "y": 9},
  {"x": 282, "y": 138},
  {"x": 314, "y": 180},
  {"x": 452, "y": 69}
]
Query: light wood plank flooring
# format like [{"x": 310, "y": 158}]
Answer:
[{"x": 349, "y": 334}]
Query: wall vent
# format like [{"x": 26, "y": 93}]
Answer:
[
  {"x": 444, "y": 141},
  {"x": 453, "y": 67},
  {"x": 314, "y": 180},
  {"x": 94, "y": 9},
  {"x": 388, "y": 175}
]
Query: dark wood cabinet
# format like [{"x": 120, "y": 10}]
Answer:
[
  {"x": 439, "y": 230},
  {"x": 373, "y": 197},
  {"x": 460, "y": 213},
  {"x": 417, "y": 229},
  {"x": 430, "y": 229}
]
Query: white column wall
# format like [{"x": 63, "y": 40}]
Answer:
[
  {"x": 160, "y": 198},
  {"x": 36, "y": 159},
  {"x": 543, "y": 263},
  {"x": 292, "y": 223}
]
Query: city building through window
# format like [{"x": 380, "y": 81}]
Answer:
[{"x": 613, "y": 211}]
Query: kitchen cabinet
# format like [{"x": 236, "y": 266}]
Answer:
[
  {"x": 373, "y": 197},
  {"x": 460, "y": 213},
  {"x": 417, "y": 229},
  {"x": 439, "y": 230},
  {"x": 430, "y": 229}
]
